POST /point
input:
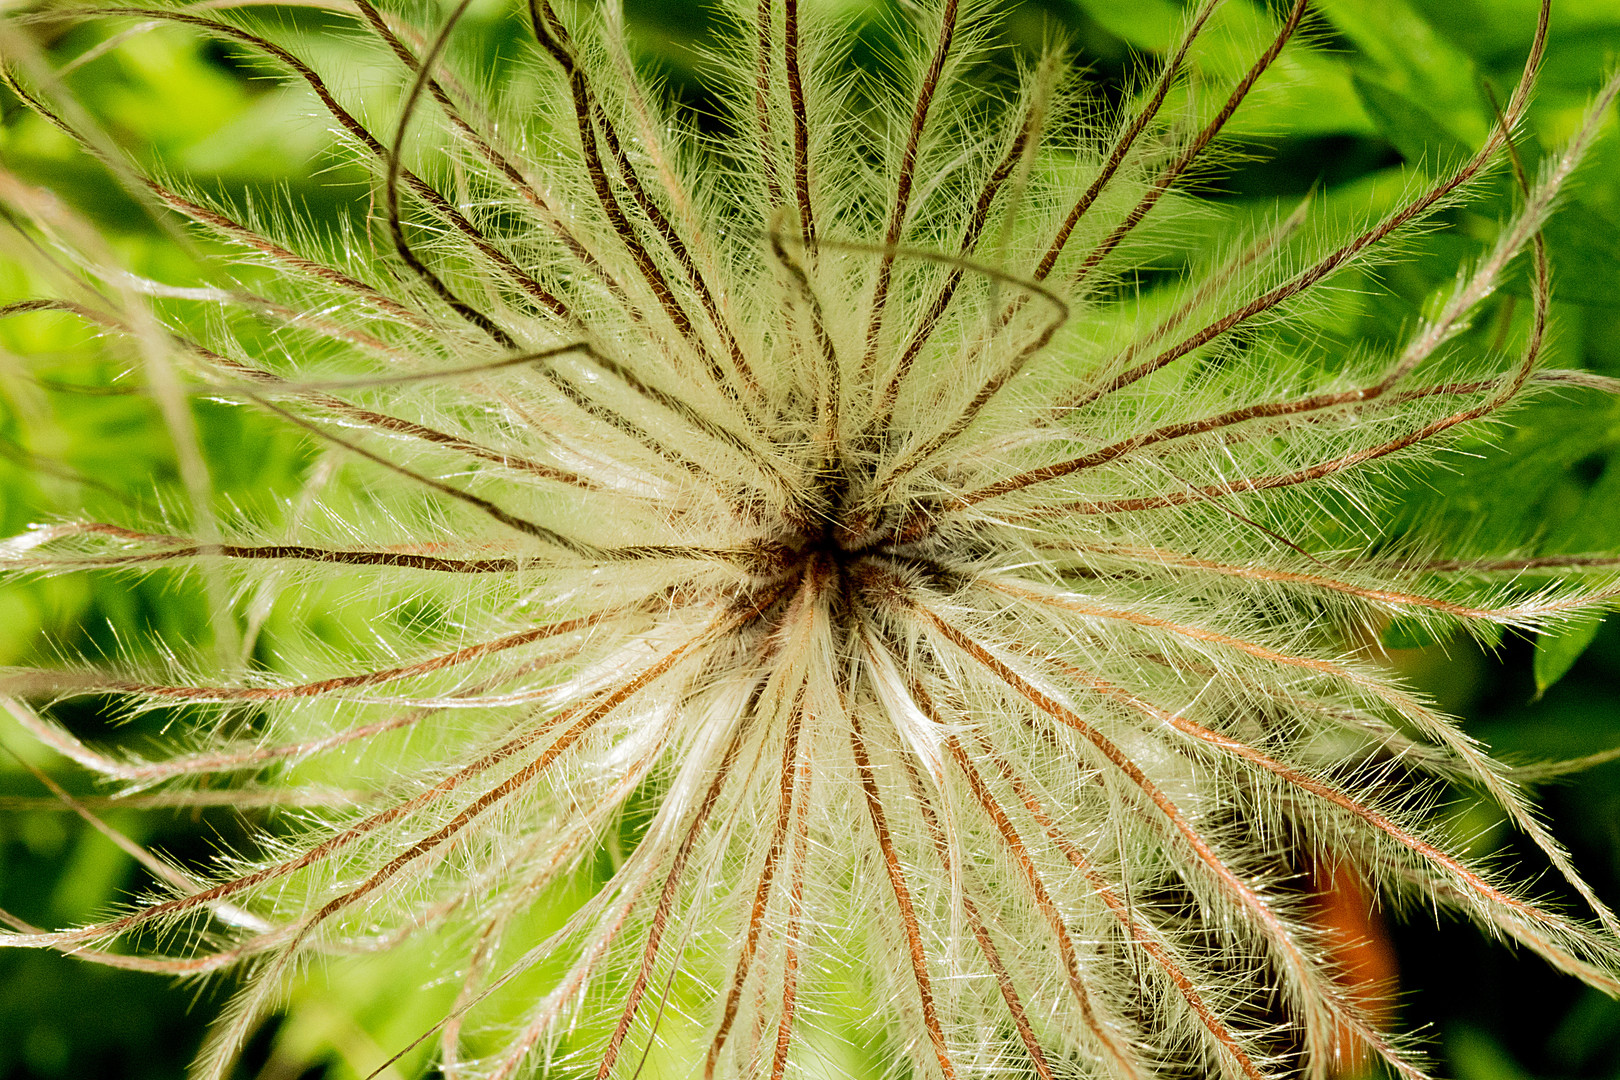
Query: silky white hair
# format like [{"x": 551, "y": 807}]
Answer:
[{"x": 871, "y": 616}]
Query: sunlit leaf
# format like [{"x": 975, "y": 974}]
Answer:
[{"x": 1558, "y": 649}]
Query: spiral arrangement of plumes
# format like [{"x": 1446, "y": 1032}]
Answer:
[{"x": 911, "y": 611}]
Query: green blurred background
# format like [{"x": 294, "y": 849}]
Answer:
[{"x": 1388, "y": 85}]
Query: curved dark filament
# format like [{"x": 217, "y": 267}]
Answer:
[
  {"x": 588, "y": 551},
  {"x": 396, "y": 170},
  {"x": 396, "y": 228},
  {"x": 1141, "y": 934},
  {"x": 1349, "y": 251},
  {"x": 801, "y": 118},
  {"x": 917, "y": 955},
  {"x": 1127, "y": 139},
  {"x": 593, "y": 123},
  {"x": 487, "y": 149},
  {"x": 486, "y": 506},
  {"x": 981, "y": 932},
  {"x": 970, "y": 240},
  {"x": 666, "y": 905},
  {"x": 1273, "y": 927},
  {"x": 358, "y": 131},
  {"x": 1039, "y": 894},
  {"x": 1195, "y": 148},
  {"x": 217, "y": 221},
  {"x": 903, "y": 183},
  {"x": 314, "y": 392}
]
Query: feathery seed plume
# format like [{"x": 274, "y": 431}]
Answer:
[{"x": 854, "y": 583}]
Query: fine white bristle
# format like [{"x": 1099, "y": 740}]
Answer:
[{"x": 856, "y": 591}]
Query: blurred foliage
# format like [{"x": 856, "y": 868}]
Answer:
[{"x": 1386, "y": 86}]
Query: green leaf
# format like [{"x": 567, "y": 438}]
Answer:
[
  {"x": 1411, "y": 632},
  {"x": 1583, "y": 244},
  {"x": 1414, "y": 59},
  {"x": 1408, "y": 634},
  {"x": 1557, "y": 650},
  {"x": 1146, "y": 24},
  {"x": 1527, "y": 482},
  {"x": 1417, "y": 133},
  {"x": 1477, "y": 1056},
  {"x": 1585, "y": 247}
]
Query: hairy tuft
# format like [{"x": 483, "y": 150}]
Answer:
[{"x": 850, "y": 585}]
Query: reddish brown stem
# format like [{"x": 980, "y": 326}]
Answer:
[
  {"x": 903, "y": 183},
  {"x": 902, "y": 897}
]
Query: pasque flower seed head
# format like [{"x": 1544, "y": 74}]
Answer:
[{"x": 909, "y": 608}]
